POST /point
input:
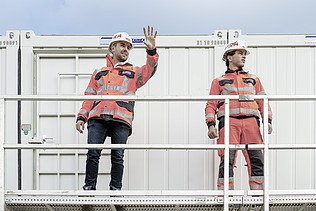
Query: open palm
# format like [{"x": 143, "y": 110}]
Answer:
[{"x": 150, "y": 38}]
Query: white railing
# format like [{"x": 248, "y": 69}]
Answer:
[{"x": 226, "y": 146}]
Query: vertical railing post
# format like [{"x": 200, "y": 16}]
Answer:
[
  {"x": 266, "y": 153},
  {"x": 2, "y": 116},
  {"x": 226, "y": 156}
]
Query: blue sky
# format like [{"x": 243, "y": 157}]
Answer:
[{"x": 170, "y": 17}]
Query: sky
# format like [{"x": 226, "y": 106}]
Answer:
[{"x": 169, "y": 17}]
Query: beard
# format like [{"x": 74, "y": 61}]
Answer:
[{"x": 122, "y": 57}]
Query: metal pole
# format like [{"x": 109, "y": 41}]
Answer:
[
  {"x": 19, "y": 121},
  {"x": 226, "y": 156},
  {"x": 2, "y": 116},
  {"x": 266, "y": 154}
]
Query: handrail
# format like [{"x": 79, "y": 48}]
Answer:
[
  {"x": 266, "y": 146},
  {"x": 160, "y": 146},
  {"x": 153, "y": 98}
]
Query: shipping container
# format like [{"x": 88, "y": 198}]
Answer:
[{"x": 61, "y": 65}]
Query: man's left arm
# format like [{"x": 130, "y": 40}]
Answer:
[
  {"x": 148, "y": 70},
  {"x": 260, "y": 91}
]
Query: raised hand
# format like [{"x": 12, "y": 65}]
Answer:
[{"x": 150, "y": 38}]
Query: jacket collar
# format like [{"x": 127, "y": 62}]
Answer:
[{"x": 242, "y": 71}]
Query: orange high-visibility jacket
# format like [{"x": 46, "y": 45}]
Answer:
[
  {"x": 235, "y": 83},
  {"x": 122, "y": 79}
]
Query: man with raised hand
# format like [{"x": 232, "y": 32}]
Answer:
[{"x": 114, "y": 118}]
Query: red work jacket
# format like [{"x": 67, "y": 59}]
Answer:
[
  {"x": 235, "y": 83},
  {"x": 122, "y": 79}
]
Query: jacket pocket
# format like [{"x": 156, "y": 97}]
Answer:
[
  {"x": 100, "y": 74},
  {"x": 226, "y": 81},
  {"x": 128, "y": 105},
  {"x": 95, "y": 103},
  {"x": 127, "y": 73},
  {"x": 249, "y": 80}
]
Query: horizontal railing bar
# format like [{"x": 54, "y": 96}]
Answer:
[
  {"x": 122, "y": 146},
  {"x": 159, "y": 146},
  {"x": 113, "y": 97},
  {"x": 153, "y": 98},
  {"x": 283, "y": 146},
  {"x": 283, "y": 192}
]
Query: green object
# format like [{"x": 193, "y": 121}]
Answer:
[{"x": 26, "y": 128}]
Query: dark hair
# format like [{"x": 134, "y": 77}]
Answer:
[{"x": 229, "y": 54}]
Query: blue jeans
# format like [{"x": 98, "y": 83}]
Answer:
[{"x": 98, "y": 130}]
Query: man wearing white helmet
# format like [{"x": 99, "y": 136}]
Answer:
[
  {"x": 244, "y": 116},
  {"x": 114, "y": 118}
]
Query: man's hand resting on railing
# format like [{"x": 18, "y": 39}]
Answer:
[{"x": 212, "y": 132}]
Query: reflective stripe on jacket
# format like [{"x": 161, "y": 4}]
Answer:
[
  {"x": 235, "y": 83},
  {"x": 120, "y": 80}
]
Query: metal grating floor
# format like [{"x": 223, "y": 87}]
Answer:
[{"x": 127, "y": 203}]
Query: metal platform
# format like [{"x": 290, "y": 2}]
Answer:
[{"x": 94, "y": 201}]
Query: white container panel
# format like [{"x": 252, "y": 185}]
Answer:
[
  {"x": 105, "y": 162},
  {"x": 2, "y": 73},
  {"x": 82, "y": 162},
  {"x": 48, "y": 70},
  {"x": 48, "y": 163},
  {"x": 157, "y": 170},
  {"x": 81, "y": 182},
  {"x": 48, "y": 127},
  {"x": 67, "y": 130},
  {"x": 178, "y": 118},
  {"x": 103, "y": 182},
  {"x": 67, "y": 163},
  {"x": 88, "y": 63},
  {"x": 67, "y": 86},
  {"x": 134, "y": 177},
  {"x": 11, "y": 169},
  {"x": 67, "y": 182},
  {"x": 49, "y": 182},
  {"x": 9, "y": 86},
  {"x": 158, "y": 125},
  {"x": 199, "y": 169},
  {"x": 50, "y": 67}
]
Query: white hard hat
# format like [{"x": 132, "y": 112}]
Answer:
[
  {"x": 236, "y": 45},
  {"x": 120, "y": 36}
]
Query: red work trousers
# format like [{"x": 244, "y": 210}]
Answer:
[{"x": 243, "y": 130}]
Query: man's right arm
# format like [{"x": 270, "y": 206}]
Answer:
[
  {"x": 210, "y": 111},
  {"x": 82, "y": 116}
]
